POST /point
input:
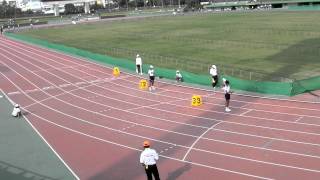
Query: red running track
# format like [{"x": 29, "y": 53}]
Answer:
[{"x": 97, "y": 123}]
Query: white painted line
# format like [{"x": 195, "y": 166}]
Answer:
[
  {"x": 298, "y": 119},
  {"x": 64, "y": 85},
  {"x": 195, "y": 142},
  {"x": 13, "y": 93},
  {"x": 246, "y": 112}
]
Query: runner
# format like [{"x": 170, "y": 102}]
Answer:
[{"x": 151, "y": 78}]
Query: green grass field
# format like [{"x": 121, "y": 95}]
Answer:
[{"x": 282, "y": 43}]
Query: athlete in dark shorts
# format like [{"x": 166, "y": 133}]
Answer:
[
  {"x": 227, "y": 95},
  {"x": 151, "y": 78}
]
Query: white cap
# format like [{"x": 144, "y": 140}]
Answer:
[
  {"x": 177, "y": 71},
  {"x": 137, "y": 55},
  {"x": 214, "y": 66},
  {"x": 151, "y": 67},
  {"x": 17, "y": 105}
]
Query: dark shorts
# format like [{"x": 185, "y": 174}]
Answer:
[
  {"x": 227, "y": 96},
  {"x": 151, "y": 79},
  {"x": 215, "y": 78}
]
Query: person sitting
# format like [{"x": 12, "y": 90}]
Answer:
[
  {"x": 16, "y": 111},
  {"x": 178, "y": 76}
]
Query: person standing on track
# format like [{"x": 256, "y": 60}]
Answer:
[
  {"x": 227, "y": 94},
  {"x": 138, "y": 64},
  {"x": 1, "y": 29},
  {"x": 151, "y": 78},
  {"x": 148, "y": 160},
  {"x": 214, "y": 77}
]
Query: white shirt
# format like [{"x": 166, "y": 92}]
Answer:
[
  {"x": 226, "y": 89},
  {"x": 213, "y": 72},
  {"x": 15, "y": 111},
  {"x": 138, "y": 61},
  {"x": 178, "y": 75},
  {"x": 151, "y": 72},
  {"x": 149, "y": 157}
]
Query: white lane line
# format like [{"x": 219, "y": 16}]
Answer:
[
  {"x": 246, "y": 112},
  {"x": 267, "y": 144},
  {"x": 44, "y": 139},
  {"x": 66, "y": 92},
  {"x": 195, "y": 142},
  {"x": 298, "y": 119},
  {"x": 13, "y": 93},
  {"x": 221, "y": 154}
]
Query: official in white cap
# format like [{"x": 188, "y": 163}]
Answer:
[
  {"x": 138, "y": 64},
  {"x": 151, "y": 74},
  {"x": 214, "y": 76},
  {"x": 148, "y": 160},
  {"x": 16, "y": 111}
]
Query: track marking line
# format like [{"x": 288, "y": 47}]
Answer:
[
  {"x": 200, "y": 137},
  {"x": 246, "y": 112},
  {"x": 301, "y": 117},
  {"x": 267, "y": 144}
]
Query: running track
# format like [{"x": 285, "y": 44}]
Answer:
[{"x": 96, "y": 123}]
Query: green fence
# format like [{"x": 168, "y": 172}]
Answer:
[{"x": 267, "y": 87}]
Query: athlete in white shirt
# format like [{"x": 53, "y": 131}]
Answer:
[
  {"x": 227, "y": 92},
  {"x": 214, "y": 76},
  {"x": 151, "y": 78},
  {"x": 148, "y": 160},
  {"x": 16, "y": 111},
  {"x": 178, "y": 76},
  {"x": 138, "y": 64}
]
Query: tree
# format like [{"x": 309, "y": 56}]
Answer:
[{"x": 70, "y": 9}]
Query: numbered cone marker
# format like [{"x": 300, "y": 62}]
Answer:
[
  {"x": 116, "y": 71},
  {"x": 143, "y": 84},
  {"x": 196, "y": 100}
]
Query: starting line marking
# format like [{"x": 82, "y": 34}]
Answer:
[{"x": 61, "y": 86}]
